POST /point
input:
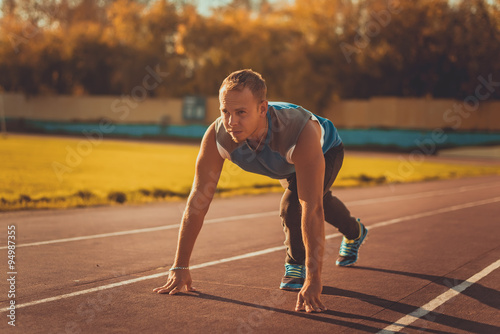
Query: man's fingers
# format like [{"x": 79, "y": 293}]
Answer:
[
  {"x": 166, "y": 288},
  {"x": 322, "y": 306},
  {"x": 312, "y": 308},
  {"x": 309, "y": 305},
  {"x": 189, "y": 287},
  {"x": 317, "y": 305},
  {"x": 161, "y": 290},
  {"x": 172, "y": 290},
  {"x": 300, "y": 303}
]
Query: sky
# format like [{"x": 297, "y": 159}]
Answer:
[{"x": 204, "y": 6}]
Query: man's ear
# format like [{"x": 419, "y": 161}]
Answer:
[{"x": 263, "y": 107}]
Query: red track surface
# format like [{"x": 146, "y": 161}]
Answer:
[{"x": 423, "y": 239}]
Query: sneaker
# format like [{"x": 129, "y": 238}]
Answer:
[
  {"x": 295, "y": 274},
  {"x": 349, "y": 249}
]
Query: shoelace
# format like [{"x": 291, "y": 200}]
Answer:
[
  {"x": 349, "y": 247},
  {"x": 295, "y": 270}
]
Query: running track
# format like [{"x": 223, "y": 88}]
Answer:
[{"x": 429, "y": 265}]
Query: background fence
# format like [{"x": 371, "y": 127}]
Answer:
[{"x": 382, "y": 121}]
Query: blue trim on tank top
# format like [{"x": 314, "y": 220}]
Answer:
[{"x": 282, "y": 105}]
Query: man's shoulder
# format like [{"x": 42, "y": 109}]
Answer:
[
  {"x": 288, "y": 114},
  {"x": 286, "y": 110}
]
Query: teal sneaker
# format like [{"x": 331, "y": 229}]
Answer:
[
  {"x": 349, "y": 249},
  {"x": 295, "y": 274}
]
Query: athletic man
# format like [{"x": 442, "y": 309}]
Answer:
[{"x": 285, "y": 142}]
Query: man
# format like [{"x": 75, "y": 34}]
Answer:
[{"x": 285, "y": 142}]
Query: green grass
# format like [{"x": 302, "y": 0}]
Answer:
[{"x": 59, "y": 172}]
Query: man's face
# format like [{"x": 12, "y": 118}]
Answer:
[{"x": 243, "y": 115}]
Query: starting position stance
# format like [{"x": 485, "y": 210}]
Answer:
[{"x": 285, "y": 142}]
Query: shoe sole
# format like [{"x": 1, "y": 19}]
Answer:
[
  {"x": 287, "y": 288},
  {"x": 362, "y": 242}
]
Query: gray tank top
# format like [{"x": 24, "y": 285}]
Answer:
[{"x": 285, "y": 123}]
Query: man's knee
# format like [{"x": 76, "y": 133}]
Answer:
[
  {"x": 289, "y": 204},
  {"x": 290, "y": 214},
  {"x": 328, "y": 198},
  {"x": 286, "y": 209}
]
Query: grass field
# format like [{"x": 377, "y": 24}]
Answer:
[{"x": 60, "y": 172}]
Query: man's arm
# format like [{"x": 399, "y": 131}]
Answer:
[
  {"x": 310, "y": 170},
  {"x": 208, "y": 168}
]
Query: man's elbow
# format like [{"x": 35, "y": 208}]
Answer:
[
  {"x": 199, "y": 201},
  {"x": 314, "y": 209}
]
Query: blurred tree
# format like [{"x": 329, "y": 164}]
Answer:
[
  {"x": 476, "y": 42},
  {"x": 8, "y": 7},
  {"x": 311, "y": 55},
  {"x": 161, "y": 22}
]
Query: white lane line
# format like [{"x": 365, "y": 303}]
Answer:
[
  {"x": 245, "y": 256},
  {"x": 257, "y": 215},
  {"x": 424, "y": 194},
  {"x": 436, "y": 212},
  {"x": 142, "y": 230},
  {"x": 439, "y": 300}
]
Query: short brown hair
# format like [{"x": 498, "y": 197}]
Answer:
[{"x": 238, "y": 80}]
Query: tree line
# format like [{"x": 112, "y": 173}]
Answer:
[{"x": 310, "y": 52}]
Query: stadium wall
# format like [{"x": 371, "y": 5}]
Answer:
[{"x": 381, "y": 121}]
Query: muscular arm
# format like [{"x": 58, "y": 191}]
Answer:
[
  {"x": 310, "y": 169},
  {"x": 208, "y": 168}
]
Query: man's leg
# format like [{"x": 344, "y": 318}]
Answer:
[
  {"x": 336, "y": 213},
  {"x": 290, "y": 212},
  {"x": 290, "y": 209}
]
